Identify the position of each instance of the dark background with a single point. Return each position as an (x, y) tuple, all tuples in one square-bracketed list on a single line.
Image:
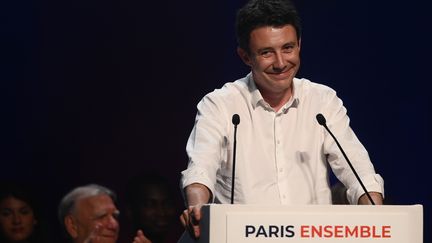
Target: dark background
[(98, 91)]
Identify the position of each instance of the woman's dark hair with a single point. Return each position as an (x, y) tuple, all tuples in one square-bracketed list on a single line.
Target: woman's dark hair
[(24, 193)]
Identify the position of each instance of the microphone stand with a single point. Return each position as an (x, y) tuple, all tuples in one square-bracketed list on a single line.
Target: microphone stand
[(322, 121)]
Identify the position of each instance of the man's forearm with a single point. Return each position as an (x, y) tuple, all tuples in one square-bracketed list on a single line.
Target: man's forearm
[(197, 194), (376, 197)]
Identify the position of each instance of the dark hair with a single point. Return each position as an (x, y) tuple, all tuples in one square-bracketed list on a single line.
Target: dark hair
[(19, 191), (24, 193), (259, 13), (137, 184)]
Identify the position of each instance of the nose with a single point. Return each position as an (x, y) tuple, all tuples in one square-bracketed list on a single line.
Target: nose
[(16, 219), (159, 208), (112, 223), (279, 62)]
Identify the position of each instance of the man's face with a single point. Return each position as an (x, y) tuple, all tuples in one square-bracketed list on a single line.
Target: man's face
[(157, 211), (94, 218), (274, 58), (16, 219)]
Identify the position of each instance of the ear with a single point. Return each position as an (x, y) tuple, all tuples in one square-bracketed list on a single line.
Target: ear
[(71, 226), (299, 44), (244, 56)]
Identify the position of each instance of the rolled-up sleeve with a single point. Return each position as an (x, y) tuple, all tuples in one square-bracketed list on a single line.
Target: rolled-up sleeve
[(204, 145), (338, 123), (373, 183)]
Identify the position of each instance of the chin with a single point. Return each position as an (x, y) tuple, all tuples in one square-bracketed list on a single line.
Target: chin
[(109, 240), (19, 237)]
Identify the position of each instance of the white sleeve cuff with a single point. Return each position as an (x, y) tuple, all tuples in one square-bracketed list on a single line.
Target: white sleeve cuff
[(373, 183)]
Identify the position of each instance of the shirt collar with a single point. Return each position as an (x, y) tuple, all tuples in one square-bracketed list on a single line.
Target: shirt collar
[(257, 99)]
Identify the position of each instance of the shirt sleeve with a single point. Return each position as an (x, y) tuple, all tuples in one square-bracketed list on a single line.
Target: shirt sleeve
[(204, 144), (338, 123)]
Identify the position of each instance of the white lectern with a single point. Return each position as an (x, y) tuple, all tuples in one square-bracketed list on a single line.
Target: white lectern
[(225, 223)]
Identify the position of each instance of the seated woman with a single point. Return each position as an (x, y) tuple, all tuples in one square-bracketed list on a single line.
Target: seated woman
[(18, 215)]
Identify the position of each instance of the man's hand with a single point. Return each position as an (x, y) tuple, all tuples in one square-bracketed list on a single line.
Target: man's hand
[(196, 195), (190, 219), (140, 238)]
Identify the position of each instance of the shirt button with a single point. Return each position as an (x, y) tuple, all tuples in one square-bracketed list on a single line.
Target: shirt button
[(283, 196), (278, 142), (281, 170)]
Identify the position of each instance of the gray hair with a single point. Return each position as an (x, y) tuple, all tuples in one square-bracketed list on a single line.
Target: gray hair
[(67, 204)]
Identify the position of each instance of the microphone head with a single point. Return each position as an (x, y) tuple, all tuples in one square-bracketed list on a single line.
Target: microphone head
[(321, 119), (236, 119)]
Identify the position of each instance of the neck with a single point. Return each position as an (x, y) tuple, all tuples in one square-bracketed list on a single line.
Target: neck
[(277, 100)]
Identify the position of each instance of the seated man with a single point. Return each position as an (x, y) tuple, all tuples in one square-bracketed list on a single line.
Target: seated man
[(89, 215), (151, 207)]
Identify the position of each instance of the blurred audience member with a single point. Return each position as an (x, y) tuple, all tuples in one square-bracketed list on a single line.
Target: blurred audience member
[(89, 215), (151, 207), (19, 215)]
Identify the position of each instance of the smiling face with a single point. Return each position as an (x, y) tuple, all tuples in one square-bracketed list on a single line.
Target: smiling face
[(94, 217), (274, 58), (16, 219)]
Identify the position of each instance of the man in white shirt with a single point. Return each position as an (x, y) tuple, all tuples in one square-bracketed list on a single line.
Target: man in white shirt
[(283, 154)]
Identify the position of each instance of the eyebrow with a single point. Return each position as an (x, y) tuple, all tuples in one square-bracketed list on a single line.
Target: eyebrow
[(291, 43), (265, 49), (295, 43), (104, 213)]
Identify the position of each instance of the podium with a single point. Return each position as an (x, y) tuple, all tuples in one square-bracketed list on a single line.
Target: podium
[(226, 223)]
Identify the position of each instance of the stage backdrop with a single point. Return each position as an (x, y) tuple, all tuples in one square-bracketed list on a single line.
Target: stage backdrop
[(95, 91)]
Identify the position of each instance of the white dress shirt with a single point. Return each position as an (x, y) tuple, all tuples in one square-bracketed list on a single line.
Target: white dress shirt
[(282, 157)]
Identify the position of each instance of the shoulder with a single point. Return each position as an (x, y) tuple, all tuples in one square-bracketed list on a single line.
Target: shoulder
[(228, 92), (307, 85), (231, 88), (307, 89)]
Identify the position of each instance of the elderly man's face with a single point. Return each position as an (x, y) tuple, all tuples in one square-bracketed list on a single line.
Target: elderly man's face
[(94, 218)]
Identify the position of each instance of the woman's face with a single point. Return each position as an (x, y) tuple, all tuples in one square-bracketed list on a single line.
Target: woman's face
[(16, 219)]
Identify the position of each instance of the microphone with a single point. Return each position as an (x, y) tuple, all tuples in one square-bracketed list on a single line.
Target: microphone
[(235, 121), (322, 121)]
